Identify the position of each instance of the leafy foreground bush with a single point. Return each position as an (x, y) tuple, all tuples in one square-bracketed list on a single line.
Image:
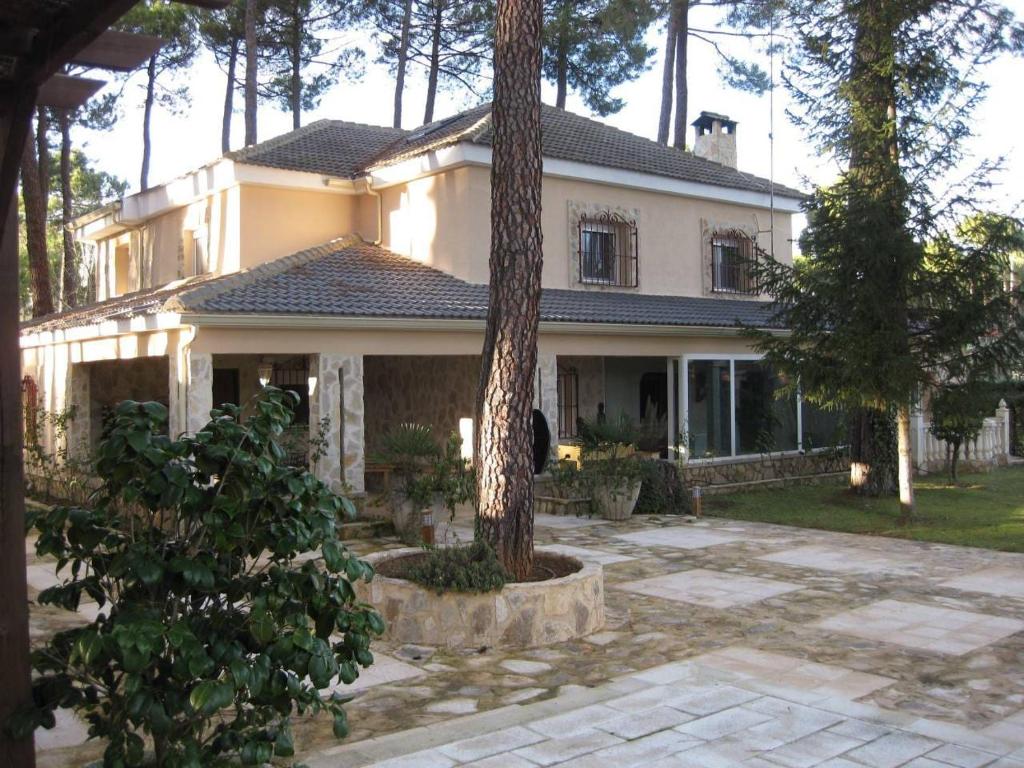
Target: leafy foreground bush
[(474, 568), (210, 633)]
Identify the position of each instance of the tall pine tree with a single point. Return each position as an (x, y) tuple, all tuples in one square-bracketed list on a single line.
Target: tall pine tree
[(888, 302)]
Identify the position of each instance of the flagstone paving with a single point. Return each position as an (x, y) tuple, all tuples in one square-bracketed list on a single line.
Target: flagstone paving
[(758, 645)]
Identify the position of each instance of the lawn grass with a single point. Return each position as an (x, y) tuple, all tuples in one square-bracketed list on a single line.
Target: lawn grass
[(985, 510)]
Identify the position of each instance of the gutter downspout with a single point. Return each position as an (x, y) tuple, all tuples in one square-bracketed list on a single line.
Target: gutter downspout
[(368, 181)]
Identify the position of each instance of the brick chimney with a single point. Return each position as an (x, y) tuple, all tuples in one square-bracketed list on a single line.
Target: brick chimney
[(715, 138)]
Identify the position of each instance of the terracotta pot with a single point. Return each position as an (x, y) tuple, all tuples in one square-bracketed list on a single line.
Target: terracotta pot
[(616, 502)]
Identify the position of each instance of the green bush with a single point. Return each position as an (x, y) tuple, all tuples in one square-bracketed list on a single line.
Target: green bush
[(210, 633), (662, 491), (474, 568)]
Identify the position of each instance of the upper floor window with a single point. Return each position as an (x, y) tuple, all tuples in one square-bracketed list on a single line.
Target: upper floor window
[(608, 250), (732, 255), (200, 251)]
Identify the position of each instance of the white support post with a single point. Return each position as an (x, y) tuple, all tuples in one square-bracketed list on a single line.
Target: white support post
[(545, 394), (199, 390), (672, 433), (1003, 417)]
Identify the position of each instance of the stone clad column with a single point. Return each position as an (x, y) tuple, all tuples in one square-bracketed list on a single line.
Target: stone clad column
[(353, 438), (545, 394), (79, 435), (199, 390), (325, 402)]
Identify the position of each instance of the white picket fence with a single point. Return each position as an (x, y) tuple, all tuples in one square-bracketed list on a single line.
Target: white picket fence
[(992, 448)]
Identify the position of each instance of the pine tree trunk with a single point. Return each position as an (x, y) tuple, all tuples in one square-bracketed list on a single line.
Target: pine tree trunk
[(43, 154), (954, 459), (35, 230), (250, 71), (403, 63), (295, 54), (147, 115), (229, 98), (504, 455), (435, 63), (562, 63), (906, 463), (682, 91), (667, 76), (872, 453), (69, 266)]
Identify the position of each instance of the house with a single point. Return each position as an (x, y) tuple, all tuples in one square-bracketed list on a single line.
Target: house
[(349, 263)]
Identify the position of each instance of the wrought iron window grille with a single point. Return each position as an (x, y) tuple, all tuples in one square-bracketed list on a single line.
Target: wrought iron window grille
[(608, 250)]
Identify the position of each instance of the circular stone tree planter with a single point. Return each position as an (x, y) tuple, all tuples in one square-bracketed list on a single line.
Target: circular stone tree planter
[(521, 615)]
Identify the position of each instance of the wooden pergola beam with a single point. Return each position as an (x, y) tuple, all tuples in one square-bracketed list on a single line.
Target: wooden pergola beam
[(118, 51)]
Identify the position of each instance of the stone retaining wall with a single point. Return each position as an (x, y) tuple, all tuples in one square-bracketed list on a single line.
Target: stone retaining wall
[(521, 615), (779, 468)]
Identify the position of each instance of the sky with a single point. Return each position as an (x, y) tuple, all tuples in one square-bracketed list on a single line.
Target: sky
[(189, 139)]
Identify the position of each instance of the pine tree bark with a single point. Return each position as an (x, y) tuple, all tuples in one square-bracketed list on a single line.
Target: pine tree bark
[(403, 62), (43, 154), (35, 230), (504, 444), (562, 54), (682, 90), (147, 115), (229, 98), (69, 263), (435, 61), (668, 75), (251, 11)]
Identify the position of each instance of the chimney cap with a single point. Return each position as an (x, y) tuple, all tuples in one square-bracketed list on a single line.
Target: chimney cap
[(707, 119)]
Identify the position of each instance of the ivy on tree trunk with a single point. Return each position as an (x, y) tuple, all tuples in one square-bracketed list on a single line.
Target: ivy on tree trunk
[(504, 451)]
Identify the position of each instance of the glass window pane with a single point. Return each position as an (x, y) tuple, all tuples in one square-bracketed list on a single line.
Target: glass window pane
[(708, 407), (823, 428), (764, 422)]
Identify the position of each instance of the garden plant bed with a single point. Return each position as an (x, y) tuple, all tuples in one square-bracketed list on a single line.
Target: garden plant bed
[(546, 566), (564, 600)]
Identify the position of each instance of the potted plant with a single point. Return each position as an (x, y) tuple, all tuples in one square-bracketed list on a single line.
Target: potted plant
[(610, 461), (430, 479), (410, 449)]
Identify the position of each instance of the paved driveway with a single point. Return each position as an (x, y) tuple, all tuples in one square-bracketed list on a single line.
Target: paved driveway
[(726, 644)]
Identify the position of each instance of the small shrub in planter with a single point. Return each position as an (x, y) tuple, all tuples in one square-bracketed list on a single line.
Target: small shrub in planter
[(571, 490), (210, 634), (472, 568)]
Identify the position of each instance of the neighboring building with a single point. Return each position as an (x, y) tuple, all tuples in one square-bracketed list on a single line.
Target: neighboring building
[(349, 263)]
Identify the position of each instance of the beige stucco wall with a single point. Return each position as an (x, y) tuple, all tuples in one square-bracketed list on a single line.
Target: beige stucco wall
[(444, 221), (276, 222)]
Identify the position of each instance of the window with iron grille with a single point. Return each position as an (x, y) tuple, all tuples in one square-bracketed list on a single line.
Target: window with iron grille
[(732, 254), (293, 375), (568, 402), (608, 250)]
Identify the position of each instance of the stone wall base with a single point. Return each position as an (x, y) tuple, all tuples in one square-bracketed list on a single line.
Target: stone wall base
[(521, 615), (774, 469)]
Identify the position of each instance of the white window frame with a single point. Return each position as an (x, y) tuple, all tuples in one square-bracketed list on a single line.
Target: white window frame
[(684, 400), (201, 235)]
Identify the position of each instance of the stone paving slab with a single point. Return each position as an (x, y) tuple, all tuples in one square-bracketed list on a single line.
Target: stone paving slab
[(924, 627), (714, 589), (590, 555), (844, 560), (1001, 581), (753, 730), (679, 537)]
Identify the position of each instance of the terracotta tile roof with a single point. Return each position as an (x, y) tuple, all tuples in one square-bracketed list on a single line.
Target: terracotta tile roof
[(568, 136), (124, 307), (351, 278), (338, 148), (329, 147)]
